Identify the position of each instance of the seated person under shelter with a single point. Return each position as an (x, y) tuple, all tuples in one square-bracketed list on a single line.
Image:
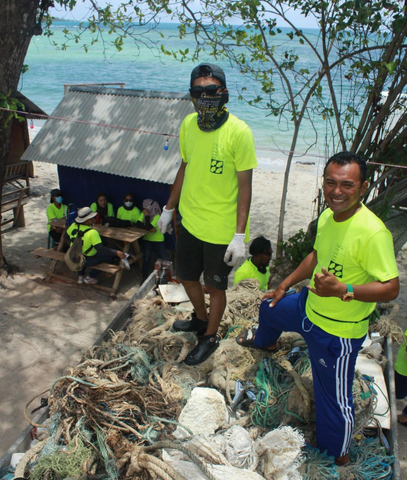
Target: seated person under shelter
[(92, 247), (257, 266), (102, 207), (128, 211), (153, 241), (56, 210)]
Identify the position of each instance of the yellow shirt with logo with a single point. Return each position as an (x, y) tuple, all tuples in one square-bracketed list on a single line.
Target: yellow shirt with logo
[(54, 212), (249, 270), (132, 215), (89, 239), (208, 202), (357, 251)]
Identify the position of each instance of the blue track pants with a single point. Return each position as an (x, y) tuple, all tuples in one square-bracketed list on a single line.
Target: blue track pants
[(333, 366)]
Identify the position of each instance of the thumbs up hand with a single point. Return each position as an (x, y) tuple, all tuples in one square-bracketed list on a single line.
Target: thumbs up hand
[(327, 285)]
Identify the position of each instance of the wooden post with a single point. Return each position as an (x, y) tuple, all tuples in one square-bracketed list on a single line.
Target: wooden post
[(19, 219)]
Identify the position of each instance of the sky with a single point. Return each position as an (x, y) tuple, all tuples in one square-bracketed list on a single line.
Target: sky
[(81, 12)]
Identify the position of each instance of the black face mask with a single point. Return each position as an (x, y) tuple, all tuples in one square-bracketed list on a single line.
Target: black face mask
[(211, 111)]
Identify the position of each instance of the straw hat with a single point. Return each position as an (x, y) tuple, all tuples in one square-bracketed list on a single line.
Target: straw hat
[(84, 214)]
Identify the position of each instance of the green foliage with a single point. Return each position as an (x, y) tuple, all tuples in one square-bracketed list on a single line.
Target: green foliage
[(357, 54), (109, 25), (359, 51), (10, 103), (297, 247)]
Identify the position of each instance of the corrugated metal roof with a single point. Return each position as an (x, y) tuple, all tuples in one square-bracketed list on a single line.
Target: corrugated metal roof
[(118, 131)]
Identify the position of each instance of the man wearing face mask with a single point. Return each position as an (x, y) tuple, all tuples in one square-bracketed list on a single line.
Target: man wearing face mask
[(213, 188), (128, 211)]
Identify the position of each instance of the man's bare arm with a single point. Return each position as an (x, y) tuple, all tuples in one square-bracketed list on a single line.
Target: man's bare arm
[(377, 291), (176, 189), (244, 197), (327, 285)]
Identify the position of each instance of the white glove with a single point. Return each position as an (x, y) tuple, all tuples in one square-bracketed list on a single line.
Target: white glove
[(165, 219), (235, 252)]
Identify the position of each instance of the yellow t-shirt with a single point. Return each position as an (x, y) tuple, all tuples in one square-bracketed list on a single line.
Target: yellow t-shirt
[(249, 270), (208, 202), (153, 236), (401, 361), (54, 212), (110, 209), (357, 251), (89, 239), (132, 215)]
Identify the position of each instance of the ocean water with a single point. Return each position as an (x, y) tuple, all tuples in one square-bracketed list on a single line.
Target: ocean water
[(143, 66)]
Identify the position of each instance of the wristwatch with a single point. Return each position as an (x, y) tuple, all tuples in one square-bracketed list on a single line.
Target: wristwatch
[(349, 295)]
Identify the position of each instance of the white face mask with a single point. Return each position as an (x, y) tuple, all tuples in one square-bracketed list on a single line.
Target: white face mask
[(128, 204)]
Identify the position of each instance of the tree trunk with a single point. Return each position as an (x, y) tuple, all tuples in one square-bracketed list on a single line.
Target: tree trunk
[(280, 234), (17, 26)]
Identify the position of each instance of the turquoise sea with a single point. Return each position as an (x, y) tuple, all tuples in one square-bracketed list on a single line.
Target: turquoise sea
[(143, 66)]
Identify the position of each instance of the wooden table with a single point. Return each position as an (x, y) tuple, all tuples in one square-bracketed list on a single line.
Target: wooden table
[(123, 238)]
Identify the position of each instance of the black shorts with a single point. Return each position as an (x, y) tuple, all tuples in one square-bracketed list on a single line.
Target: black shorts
[(195, 256)]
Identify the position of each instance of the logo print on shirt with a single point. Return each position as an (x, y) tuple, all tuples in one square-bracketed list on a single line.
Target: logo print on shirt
[(336, 269), (216, 167)]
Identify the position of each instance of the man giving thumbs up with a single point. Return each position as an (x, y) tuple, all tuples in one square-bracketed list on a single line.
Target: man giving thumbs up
[(351, 268)]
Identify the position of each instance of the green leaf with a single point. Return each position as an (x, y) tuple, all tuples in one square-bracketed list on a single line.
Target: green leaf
[(391, 67)]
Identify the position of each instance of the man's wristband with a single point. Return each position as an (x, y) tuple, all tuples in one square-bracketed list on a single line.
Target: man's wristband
[(349, 295)]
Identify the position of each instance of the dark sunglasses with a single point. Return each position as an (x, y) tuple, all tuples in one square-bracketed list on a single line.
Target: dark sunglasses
[(128, 199), (210, 90)]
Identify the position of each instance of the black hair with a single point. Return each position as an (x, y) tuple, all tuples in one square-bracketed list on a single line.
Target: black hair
[(260, 245), (345, 158), (128, 194)]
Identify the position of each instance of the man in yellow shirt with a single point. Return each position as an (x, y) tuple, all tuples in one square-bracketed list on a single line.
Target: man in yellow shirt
[(213, 187), (257, 266), (351, 268)]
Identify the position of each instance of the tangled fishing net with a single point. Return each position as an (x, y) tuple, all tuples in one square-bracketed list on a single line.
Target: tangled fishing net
[(385, 323), (116, 413)]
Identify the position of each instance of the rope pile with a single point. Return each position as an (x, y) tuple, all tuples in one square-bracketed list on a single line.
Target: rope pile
[(112, 413), (386, 325), (368, 462)]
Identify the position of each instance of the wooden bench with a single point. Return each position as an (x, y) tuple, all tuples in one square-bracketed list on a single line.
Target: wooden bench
[(16, 205), (59, 256), (18, 171)]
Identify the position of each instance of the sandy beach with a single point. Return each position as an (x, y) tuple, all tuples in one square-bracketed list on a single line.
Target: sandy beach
[(45, 326)]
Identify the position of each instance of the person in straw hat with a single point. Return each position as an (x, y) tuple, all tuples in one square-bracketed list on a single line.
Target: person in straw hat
[(92, 247)]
